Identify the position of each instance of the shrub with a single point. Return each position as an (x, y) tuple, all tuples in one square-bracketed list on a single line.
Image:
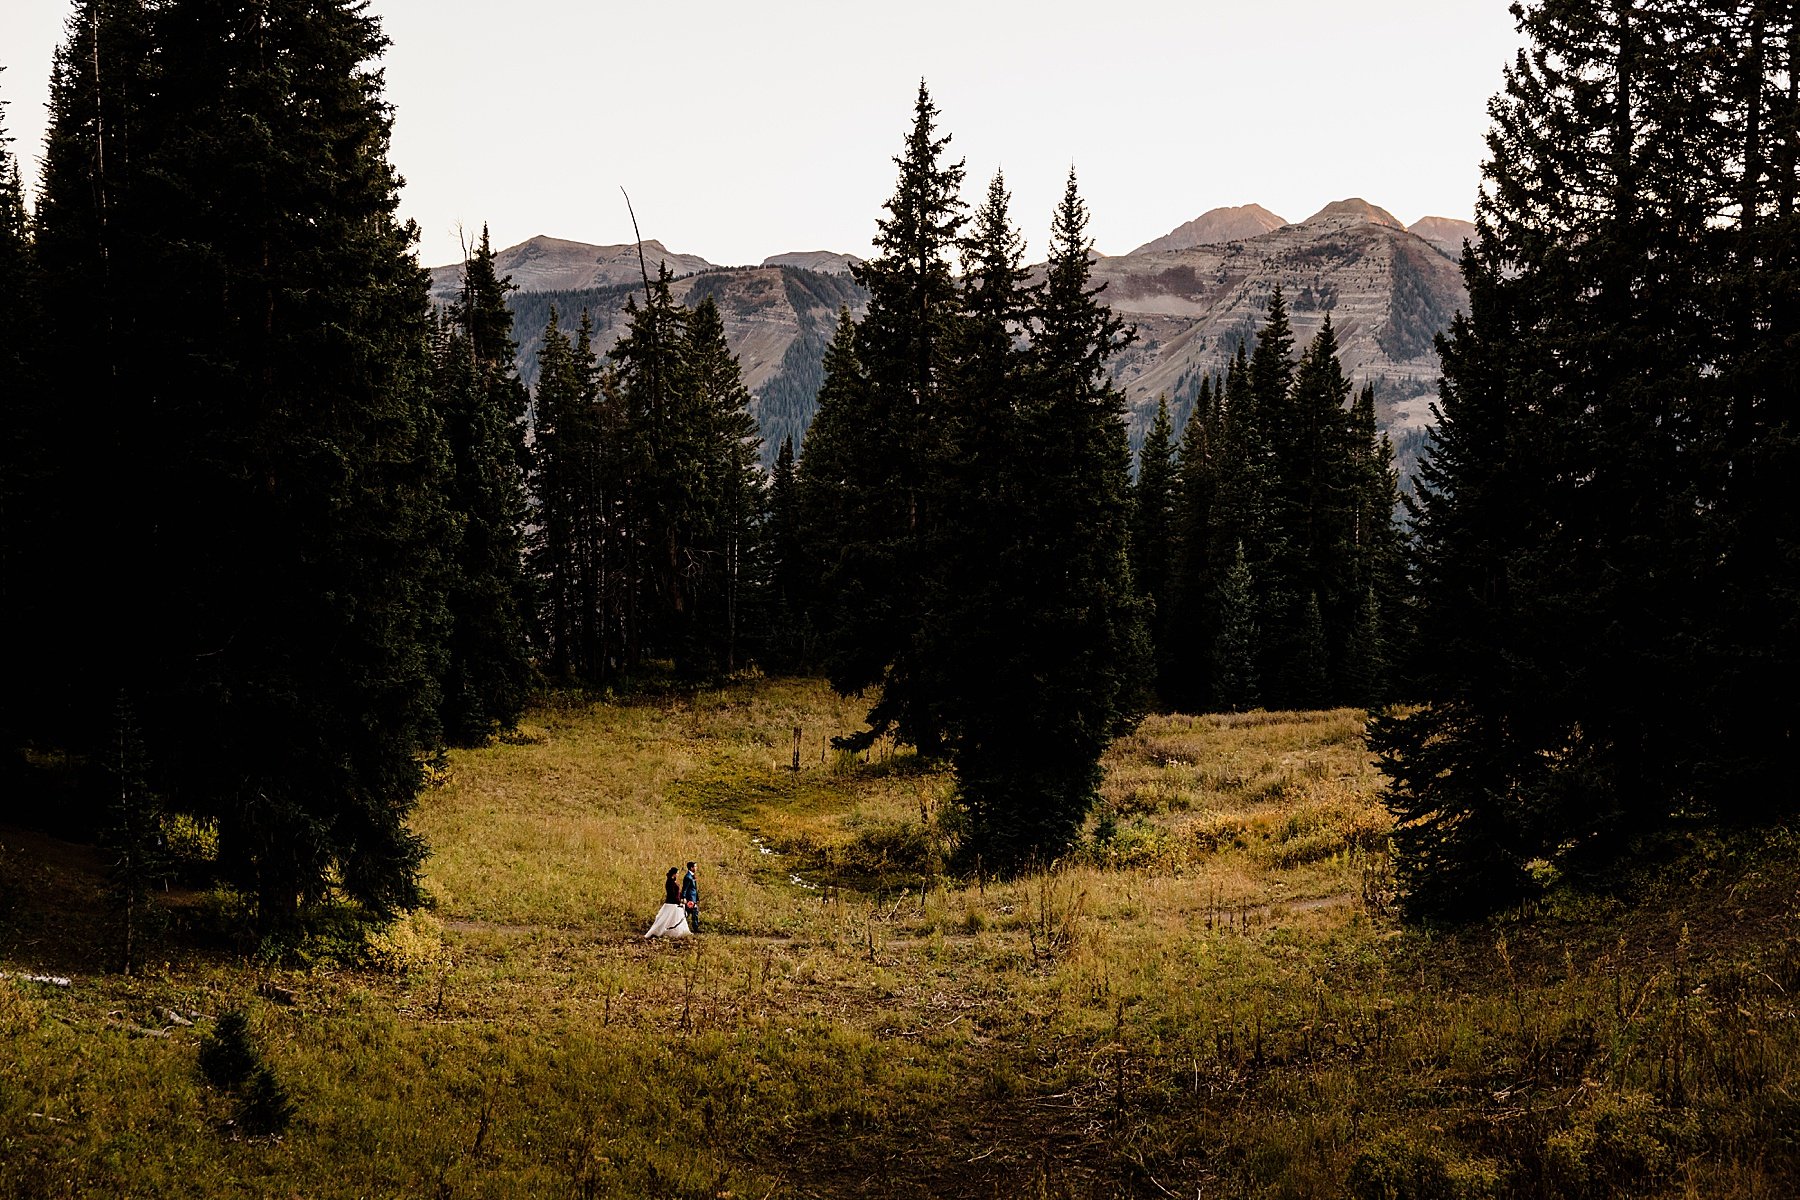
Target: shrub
[(414, 942), (1398, 1168), (230, 1062)]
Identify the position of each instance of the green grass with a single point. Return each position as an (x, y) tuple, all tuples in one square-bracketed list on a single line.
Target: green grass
[(1210, 996)]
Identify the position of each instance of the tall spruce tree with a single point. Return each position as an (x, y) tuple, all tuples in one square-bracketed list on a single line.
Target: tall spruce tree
[(1594, 423), (23, 461), (1154, 504), (482, 405), (219, 210), (729, 527), (788, 640), (888, 453), (1185, 656), (1075, 656)]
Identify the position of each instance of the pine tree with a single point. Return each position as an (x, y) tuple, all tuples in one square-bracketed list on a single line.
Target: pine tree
[(25, 455), (788, 644), (255, 332), (1154, 506), (1577, 492), (1184, 639), (661, 462), (1076, 658), (729, 525), (94, 272), (482, 405), (1241, 525), (825, 484), (889, 449), (557, 476), (1236, 645)]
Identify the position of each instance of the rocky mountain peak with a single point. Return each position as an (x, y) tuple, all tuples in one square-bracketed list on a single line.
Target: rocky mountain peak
[(827, 262), (1354, 211), (1446, 233), (1215, 227)]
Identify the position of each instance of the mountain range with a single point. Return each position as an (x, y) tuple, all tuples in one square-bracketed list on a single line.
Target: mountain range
[(1193, 295)]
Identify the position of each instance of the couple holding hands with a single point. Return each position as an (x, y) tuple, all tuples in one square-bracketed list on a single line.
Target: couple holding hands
[(680, 914)]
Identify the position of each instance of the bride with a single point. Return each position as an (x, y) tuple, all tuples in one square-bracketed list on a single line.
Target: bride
[(671, 918)]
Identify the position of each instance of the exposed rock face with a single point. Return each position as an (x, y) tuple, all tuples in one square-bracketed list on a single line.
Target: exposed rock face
[(1387, 291), (778, 321), (1219, 225), (826, 262), (1446, 233), (547, 264)]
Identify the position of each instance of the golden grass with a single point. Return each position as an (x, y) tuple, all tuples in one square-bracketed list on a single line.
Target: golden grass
[(1208, 996)]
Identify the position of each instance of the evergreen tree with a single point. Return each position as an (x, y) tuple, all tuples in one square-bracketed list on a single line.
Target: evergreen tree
[(482, 406), (1028, 770), (1236, 644), (788, 644), (1597, 416), (94, 264), (1241, 526), (23, 462), (825, 484), (875, 546), (729, 526), (218, 212), (661, 462), (556, 478), (1184, 637), (1154, 506)]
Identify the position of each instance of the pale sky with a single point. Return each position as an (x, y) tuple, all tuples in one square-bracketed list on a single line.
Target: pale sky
[(745, 129)]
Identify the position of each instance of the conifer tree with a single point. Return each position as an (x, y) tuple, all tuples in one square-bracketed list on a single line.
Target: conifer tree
[(482, 406), (875, 550), (24, 465), (1235, 648), (556, 479), (661, 461), (1078, 655), (1593, 429), (1241, 526), (729, 525), (259, 359), (1154, 506), (1184, 638), (94, 266), (788, 644)]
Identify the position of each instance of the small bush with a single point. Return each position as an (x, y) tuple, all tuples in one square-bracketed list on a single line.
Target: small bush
[(411, 943), (1397, 1168), (230, 1062), (1618, 1148)]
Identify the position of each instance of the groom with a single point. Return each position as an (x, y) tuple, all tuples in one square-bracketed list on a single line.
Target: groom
[(690, 899)]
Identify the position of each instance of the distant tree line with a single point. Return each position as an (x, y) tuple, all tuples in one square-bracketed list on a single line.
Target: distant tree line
[(1265, 543)]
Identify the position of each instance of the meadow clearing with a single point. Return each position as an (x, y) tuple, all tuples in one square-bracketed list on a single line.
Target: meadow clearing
[(1212, 997)]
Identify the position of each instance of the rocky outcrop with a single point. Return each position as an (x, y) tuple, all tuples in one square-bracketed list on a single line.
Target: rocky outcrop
[(826, 262), (547, 264), (1446, 233), (1219, 225), (1387, 291)]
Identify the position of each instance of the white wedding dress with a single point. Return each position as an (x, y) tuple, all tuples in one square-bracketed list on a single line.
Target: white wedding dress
[(671, 921)]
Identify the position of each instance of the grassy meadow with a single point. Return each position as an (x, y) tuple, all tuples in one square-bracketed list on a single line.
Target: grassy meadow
[(1210, 998)]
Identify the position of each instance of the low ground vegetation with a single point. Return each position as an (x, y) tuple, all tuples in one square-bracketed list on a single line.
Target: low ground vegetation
[(1210, 996)]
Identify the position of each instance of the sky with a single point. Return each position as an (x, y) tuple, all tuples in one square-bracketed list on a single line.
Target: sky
[(743, 130)]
